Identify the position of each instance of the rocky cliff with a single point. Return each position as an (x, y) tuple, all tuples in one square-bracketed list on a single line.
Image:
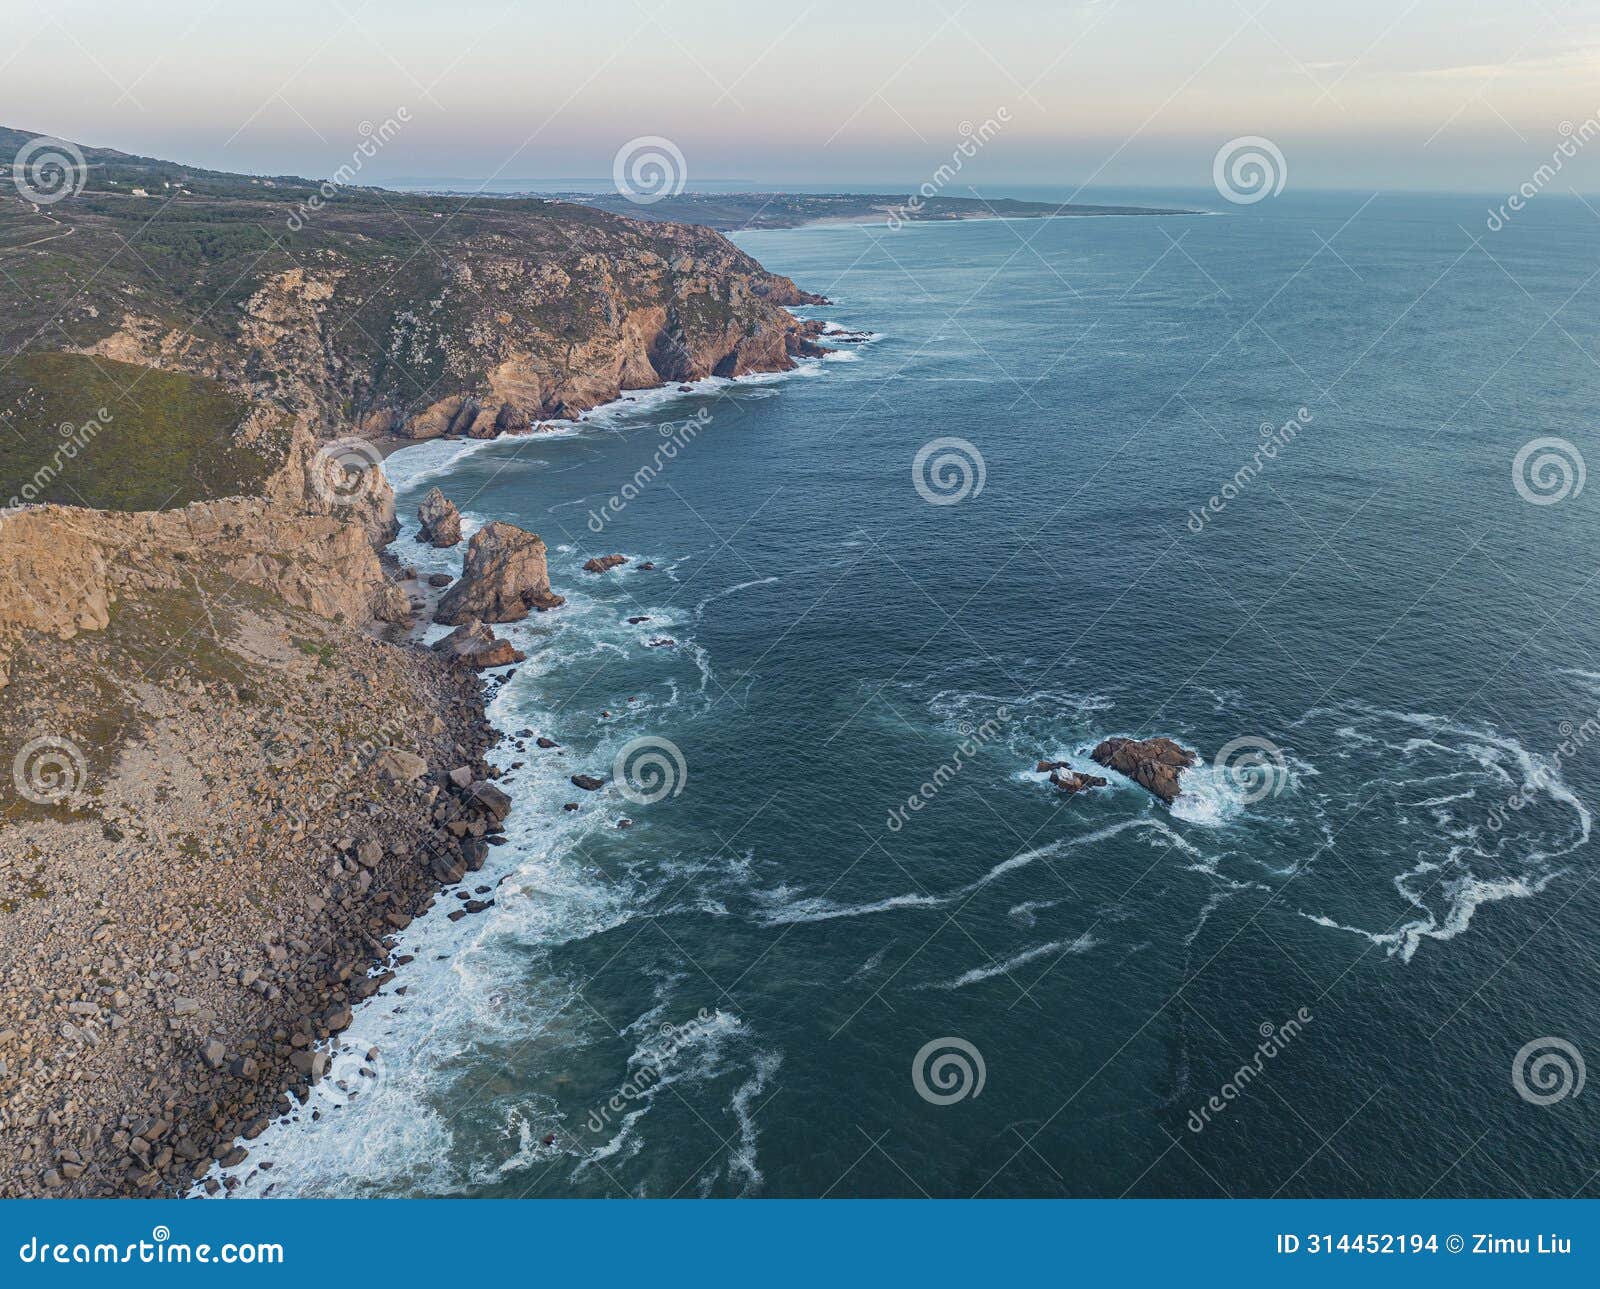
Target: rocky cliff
[(64, 567), (227, 792), (378, 312)]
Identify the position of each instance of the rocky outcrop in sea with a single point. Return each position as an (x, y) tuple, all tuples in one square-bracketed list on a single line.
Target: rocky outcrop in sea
[(506, 576), (1154, 763)]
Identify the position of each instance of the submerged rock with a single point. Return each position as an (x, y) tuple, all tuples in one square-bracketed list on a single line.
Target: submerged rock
[(1153, 763), (441, 521), (506, 575), (1067, 779)]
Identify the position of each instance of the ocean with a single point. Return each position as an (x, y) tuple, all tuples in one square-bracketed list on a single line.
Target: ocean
[(1257, 480)]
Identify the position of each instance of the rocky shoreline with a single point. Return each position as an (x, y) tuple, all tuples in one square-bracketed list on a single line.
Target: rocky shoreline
[(237, 772), (206, 908), (199, 929)]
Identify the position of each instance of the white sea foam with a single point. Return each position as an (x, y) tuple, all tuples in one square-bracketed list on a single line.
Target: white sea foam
[(1437, 765), (486, 983), (786, 905), (1053, 948)]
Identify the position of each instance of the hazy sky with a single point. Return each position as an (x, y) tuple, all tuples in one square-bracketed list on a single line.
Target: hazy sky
[(1355, 93)]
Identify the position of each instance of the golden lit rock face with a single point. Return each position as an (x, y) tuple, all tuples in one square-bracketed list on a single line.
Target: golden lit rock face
[(504, 579), (537, 315)]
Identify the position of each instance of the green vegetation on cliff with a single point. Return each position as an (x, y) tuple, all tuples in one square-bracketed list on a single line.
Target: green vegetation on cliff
[(372, 310), (87, 431)]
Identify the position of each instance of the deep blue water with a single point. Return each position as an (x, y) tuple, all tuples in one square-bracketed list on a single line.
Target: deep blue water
[(1377, 602)]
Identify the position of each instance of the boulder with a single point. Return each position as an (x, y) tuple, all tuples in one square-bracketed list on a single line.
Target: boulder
[(474, 644), (441, 521), (506, 575), (491, 799), (511, 420), (604, 563), (439, 579), (401, 766), (1070, 781), (1153, 763), (587, 782)]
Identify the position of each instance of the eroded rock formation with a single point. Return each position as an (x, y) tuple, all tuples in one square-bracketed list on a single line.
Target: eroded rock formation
[(1153, 763), (440, 520), (474, 644), (506, 576)]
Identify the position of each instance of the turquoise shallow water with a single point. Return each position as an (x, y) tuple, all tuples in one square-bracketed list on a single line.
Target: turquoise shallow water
[(729, 996)]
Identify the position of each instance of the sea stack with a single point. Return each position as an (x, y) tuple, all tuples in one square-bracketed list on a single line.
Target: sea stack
[(474, 644), (441, 521), (506, 576)]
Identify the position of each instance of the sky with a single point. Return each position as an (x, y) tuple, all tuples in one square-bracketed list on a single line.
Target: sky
[(1468, 96)]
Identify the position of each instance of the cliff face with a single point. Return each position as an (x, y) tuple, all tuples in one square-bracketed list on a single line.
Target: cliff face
[(500, 340), (363, 314), (381, 311), (64, 567), (201, 683)]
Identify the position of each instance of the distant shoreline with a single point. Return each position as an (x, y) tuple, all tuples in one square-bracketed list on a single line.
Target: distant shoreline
[(745, 212)]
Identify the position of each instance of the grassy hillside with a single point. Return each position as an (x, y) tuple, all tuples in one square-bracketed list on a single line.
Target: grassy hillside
[(86, 431)]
